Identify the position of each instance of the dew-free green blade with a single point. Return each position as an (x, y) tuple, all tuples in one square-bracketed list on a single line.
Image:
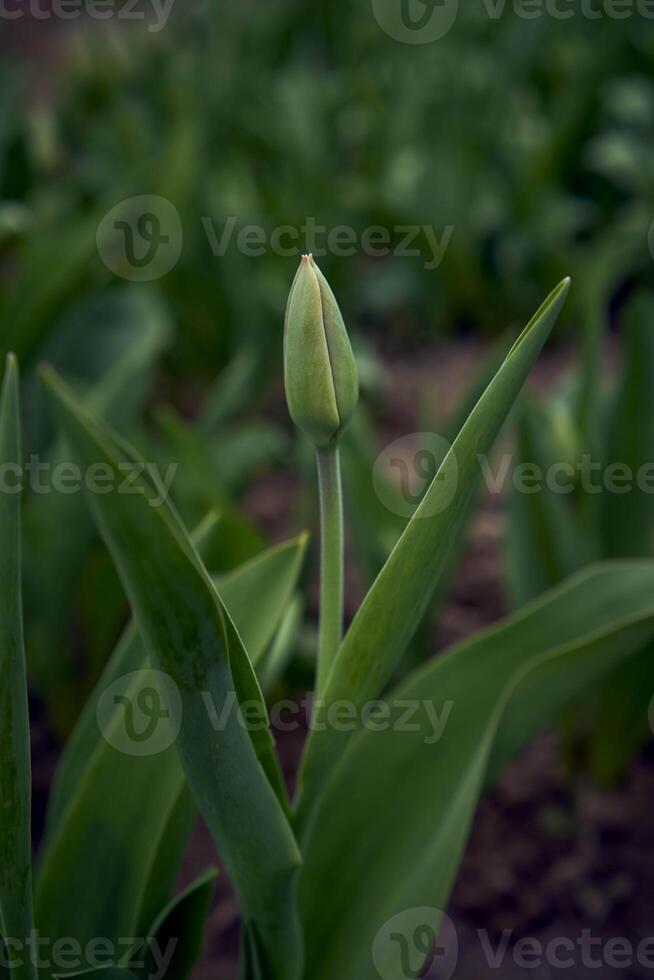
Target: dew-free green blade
[(190, 637), (143, 844), (397, 600), (16, 918), (174, 940), (269, 579), (406, 793)]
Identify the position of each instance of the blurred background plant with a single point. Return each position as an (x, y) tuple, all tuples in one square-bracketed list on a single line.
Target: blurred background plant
[(524, 146), (529, 138)]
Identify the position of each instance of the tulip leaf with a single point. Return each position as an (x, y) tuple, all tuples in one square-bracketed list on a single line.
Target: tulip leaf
[(395, 604), (16, 917), (407, 794), (174, 941), (80, 789), (190, 637), (271, 577)]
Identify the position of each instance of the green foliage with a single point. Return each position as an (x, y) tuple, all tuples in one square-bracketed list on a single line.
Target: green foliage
[(552, 534), (408, 801), (397, 600), (16, 917), (543, 123), (119, 821)]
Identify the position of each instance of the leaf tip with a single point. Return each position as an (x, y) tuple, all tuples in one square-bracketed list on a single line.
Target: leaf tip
[(11, 367), (303, 539)]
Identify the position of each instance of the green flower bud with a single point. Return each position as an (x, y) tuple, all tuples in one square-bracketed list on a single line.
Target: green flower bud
[(320, 373)]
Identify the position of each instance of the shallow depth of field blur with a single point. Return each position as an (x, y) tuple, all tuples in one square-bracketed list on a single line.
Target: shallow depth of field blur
[(444, 188)]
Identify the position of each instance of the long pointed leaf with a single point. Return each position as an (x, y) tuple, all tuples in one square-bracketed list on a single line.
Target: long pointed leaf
[(396, 602), (271, 577), (16, 916), (190, 637), (407, 794), (177, 934)]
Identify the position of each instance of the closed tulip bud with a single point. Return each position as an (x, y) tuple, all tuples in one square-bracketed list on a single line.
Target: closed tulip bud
[(320, 373)]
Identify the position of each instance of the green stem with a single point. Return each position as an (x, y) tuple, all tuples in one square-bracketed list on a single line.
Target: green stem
[(331, 562)]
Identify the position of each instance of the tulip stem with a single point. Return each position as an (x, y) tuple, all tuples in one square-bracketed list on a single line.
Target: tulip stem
[(331, 562)]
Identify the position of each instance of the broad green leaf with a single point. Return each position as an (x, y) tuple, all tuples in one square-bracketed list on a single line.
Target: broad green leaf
[(177, 934), (271, 577), (96, 875), (72, 861), (406, 793), (16, 918), (190, 637), (396, 602)]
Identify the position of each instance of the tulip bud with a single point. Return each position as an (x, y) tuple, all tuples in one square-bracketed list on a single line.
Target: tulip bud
[(320, 373)]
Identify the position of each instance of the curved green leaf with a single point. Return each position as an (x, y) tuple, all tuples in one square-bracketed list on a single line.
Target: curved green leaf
[(177, 934), (396, 602), (16, 918), (271, 577), (87, 795), (407, 797), (190, 636)]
